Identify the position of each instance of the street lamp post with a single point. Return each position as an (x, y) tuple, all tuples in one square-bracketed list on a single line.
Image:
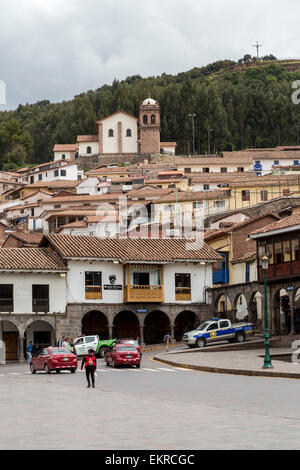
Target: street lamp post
[(193, 115), (267, 360)]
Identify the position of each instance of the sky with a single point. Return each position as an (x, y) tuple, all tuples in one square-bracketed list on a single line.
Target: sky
[(56, 49)]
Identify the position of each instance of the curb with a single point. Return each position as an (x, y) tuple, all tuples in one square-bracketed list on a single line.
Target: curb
[(221, 370), (160, 347)]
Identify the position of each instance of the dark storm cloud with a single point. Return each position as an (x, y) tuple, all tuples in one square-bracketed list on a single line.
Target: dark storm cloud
[(54, 49)]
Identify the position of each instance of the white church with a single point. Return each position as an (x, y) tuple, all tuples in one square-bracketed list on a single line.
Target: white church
[(119, 135)]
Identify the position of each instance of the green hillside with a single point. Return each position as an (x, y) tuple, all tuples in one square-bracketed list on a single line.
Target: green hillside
[(245, 103)]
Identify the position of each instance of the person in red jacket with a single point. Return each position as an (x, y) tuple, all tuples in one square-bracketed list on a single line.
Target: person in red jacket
[(90, 364)]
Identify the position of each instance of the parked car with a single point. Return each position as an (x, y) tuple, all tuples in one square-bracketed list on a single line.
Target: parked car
[(134, 342), (57, 359), (123, 354), (84, 343), (217, 329)]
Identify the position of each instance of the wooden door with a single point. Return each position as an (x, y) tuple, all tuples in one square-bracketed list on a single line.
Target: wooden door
[(10, 339)]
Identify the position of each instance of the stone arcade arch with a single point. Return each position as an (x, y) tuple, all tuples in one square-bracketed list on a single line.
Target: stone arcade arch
[(95, 322), (11, 339), (240, 306), (41, 333), (126, 325), (255, 309), (222, 305), (156, 325), (184, 321), (282, 312)]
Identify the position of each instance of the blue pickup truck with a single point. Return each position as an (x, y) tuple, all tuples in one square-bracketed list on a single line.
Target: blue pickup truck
[(217, 329)]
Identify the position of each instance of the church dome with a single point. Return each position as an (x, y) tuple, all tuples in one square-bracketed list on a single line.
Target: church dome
[(149, 101)]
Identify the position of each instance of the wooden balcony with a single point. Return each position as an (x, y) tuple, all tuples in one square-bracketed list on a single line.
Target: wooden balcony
[(183, 294), (93, 292), (134, 293), (281, 270), (6, 305), (40, 305)]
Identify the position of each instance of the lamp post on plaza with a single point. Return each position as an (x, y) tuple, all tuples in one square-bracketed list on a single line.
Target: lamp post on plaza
[(267, 360)]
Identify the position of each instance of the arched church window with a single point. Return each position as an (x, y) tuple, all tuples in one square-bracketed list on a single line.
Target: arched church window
[(89, 150), (153, 119), (128, 133), (110, 133), (145, 119)]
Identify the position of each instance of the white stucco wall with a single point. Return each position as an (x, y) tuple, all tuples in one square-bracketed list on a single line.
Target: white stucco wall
[(82, 151), (201, 276), (76, 281), (129, 144), (88, 186), (58, 155), (22, 290)]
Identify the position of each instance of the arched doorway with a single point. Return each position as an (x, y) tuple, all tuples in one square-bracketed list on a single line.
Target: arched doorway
[(95, 323), (297, 311), (41, 333), (185, 321), (126, 325), (222, 306), (11, 338), (156, 325), (241, 308), (282, 312), (255, 309)]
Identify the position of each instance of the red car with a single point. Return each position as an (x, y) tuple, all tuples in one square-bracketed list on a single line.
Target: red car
[(57, 359), (123, 354), (133, 342)]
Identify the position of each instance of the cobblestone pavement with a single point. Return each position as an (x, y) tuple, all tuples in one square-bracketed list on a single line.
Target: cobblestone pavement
[(155, 407)]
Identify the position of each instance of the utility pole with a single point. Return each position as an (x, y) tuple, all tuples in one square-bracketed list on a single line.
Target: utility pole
[(193, 115), (257, 46), (208, 134)]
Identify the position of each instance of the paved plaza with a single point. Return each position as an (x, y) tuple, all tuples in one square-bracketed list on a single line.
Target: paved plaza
[(156, 407)]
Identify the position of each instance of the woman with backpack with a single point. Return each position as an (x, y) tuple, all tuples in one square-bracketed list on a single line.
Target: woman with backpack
[(90, 363)]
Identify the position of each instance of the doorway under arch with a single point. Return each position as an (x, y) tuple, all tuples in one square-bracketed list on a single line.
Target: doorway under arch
[(126, 325), (11, 339), (185, 321), (41, 333), (95, 323), (282, 312), (156, 325)]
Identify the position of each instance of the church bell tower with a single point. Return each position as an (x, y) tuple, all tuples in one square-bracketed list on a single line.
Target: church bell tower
[(149, 127)]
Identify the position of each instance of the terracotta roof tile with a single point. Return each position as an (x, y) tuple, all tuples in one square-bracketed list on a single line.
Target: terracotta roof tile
[(126, 250), (29, 259), (286, 222)]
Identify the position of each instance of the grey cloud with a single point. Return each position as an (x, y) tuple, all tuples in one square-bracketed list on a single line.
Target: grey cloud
[(54, 49)]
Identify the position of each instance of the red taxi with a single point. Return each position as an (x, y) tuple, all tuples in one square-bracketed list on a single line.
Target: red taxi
[(123, 354), (57, 359), (133, 342)]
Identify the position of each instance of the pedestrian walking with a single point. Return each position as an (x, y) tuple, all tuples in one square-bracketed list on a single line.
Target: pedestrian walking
[(29, 350), (71, 346), (61, 341), (66, 343), (90, 363), (167, 340)]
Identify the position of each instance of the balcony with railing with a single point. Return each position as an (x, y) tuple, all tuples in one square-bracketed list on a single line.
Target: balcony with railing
[(257, 167), (135, 293), (221, 276), (183, 294), (40, 305), (93, 292), (6, 305)]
